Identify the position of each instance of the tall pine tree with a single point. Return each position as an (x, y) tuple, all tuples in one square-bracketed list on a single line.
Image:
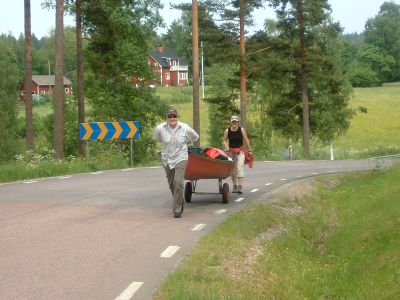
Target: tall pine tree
[(305, 89)]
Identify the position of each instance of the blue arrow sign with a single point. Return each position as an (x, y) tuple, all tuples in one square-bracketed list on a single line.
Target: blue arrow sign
[(109, 130)]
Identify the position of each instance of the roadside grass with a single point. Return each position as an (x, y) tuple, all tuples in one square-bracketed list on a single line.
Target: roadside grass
[(340, 241), (15, 171)]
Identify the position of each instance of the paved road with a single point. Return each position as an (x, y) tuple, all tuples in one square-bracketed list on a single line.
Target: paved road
[(111, 235)]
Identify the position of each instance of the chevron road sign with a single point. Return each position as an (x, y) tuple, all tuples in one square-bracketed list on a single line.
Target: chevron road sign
[(109, 130)]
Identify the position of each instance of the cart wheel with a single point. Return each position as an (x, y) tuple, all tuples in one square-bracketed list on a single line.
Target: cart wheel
[(188, 192), (225, 193)]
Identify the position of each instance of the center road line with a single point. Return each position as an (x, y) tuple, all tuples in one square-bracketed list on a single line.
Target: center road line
[(239, 199), (220, 211), (283, 179), (253, 191), (129, 291), (269, 183), (170, 251), (198, 227)]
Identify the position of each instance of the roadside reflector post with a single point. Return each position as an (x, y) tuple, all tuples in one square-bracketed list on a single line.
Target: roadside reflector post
[(131, 153)]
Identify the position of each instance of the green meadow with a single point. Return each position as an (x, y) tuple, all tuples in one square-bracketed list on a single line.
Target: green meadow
[(376, 132)]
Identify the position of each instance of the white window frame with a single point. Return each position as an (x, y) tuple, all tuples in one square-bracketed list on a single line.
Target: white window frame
[(183, 76)]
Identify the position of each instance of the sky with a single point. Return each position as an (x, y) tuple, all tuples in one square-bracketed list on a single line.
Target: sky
[(352, 15)]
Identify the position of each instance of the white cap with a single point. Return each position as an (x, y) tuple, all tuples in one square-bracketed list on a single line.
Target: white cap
[(234, 118)]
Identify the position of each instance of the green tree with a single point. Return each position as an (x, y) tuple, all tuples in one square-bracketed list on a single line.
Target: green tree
[(9, 95), (372, 67), (383, 31), (117, 51), (236, 14), (221, 104), (303, 70)]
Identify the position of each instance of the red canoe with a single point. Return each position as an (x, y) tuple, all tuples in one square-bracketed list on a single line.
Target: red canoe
[(203, 167)]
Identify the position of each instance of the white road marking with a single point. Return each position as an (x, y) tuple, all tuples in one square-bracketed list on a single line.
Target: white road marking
[(269, 183), (96, 173), (283, 179), (220, 211), (315, 173), (129, 291), (170, 251), (253, 191), (198, 227), (239, 199), (31, 181), (298, 176), (64, 177)]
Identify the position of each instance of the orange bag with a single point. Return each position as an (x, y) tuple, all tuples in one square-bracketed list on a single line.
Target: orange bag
[(215, 153)]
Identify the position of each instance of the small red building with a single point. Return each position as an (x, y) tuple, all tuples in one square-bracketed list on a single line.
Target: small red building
[(44, 85), (168, 67)]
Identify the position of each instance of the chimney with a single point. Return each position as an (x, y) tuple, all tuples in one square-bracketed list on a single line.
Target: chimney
[(159, 48)]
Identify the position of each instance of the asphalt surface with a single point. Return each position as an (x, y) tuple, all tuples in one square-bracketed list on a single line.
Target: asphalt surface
[(111, 235)]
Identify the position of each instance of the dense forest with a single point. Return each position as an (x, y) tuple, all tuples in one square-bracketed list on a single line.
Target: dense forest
[(295, 76)]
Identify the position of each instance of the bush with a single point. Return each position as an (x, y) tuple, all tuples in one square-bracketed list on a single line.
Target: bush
[(363, 76)]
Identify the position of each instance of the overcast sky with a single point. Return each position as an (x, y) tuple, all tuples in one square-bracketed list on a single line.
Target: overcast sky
[(352, 15)]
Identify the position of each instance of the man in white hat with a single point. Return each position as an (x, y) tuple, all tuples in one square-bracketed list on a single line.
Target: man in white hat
[(174, 137)]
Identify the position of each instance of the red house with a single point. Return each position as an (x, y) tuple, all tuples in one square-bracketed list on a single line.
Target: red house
[(168, 67), (44, 84)]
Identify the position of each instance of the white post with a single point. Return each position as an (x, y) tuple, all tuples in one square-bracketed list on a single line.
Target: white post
[(161, 75), (202, 68), (131, 152), (178, 72), (331, 150)]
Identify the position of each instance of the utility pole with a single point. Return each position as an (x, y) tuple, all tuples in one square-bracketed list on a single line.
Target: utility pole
[(202, 68), (195, 47)]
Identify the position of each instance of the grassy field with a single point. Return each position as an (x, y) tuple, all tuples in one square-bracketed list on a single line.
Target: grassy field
[(378, 131), (340, 240)]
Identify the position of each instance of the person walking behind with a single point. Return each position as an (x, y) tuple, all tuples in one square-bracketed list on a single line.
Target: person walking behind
[(237, 142), (174, 137)]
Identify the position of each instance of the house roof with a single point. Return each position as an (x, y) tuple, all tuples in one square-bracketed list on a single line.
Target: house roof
[(48, 80), (162, 58)]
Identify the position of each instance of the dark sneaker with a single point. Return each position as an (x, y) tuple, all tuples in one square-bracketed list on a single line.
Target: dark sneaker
[(239, 189), (177, 214), (235, 188)]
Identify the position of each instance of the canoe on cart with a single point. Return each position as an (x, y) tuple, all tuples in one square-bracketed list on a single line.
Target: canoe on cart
[(201, 166)]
